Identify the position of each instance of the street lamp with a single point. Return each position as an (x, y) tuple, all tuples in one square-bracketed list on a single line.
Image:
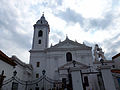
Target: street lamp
[(74, 62), (43, 72)]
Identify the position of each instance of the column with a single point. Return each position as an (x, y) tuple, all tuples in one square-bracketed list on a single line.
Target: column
[(76, 79), (107, 78)]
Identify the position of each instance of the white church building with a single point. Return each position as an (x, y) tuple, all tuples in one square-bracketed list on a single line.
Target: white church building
[(67, 61), (55, 57), (67, 65)]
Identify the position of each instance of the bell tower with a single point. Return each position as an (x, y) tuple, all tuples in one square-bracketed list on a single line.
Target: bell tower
[(39, 45), (41, 34)]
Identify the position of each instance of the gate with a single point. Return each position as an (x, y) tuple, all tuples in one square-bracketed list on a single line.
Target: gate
[(99, 77)]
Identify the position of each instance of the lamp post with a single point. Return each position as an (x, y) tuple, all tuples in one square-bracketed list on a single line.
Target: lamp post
[(14, 85), (43, 72), (69, 85)]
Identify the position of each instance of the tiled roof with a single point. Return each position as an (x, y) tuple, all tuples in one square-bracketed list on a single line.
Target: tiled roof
[(6, 59), (115, 71), (117, 55)]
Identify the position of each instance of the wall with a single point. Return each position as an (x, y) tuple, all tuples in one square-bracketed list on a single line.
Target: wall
[(117, 62), (51, 60), (8, 72)]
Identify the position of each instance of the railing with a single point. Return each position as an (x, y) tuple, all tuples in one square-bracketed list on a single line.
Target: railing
[(44, 82)]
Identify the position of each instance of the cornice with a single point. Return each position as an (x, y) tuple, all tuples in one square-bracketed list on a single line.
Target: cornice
[(32, 50), (66, 49)]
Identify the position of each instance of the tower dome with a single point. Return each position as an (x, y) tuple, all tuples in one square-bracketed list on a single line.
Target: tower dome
[(42, 20)]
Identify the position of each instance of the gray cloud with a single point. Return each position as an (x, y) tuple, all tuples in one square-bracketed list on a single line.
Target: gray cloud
[(59, 2), (56, 36), (70, 16), (101, 23), (88, 24), (111, 47), (9, 24), (48, 4)]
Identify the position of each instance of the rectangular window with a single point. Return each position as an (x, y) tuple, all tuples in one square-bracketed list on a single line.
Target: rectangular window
[(38, 64), (64, 82), (39, 41), (86, 81), (14, 86), (37, 88), (37, 75)]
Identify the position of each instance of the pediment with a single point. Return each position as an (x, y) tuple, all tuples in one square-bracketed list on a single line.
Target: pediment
[(70, 65), (67, 43)]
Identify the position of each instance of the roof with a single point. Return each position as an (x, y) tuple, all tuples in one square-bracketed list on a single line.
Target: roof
[(69, 44), (6, 59), (105, 61), (115, 71), (18, 61), (70, 64), (117, 55), (42, 22)]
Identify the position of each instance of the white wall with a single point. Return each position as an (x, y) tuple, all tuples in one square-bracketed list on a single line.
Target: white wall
[(8, 72), (117, 62), (23, 73), (51, 60)]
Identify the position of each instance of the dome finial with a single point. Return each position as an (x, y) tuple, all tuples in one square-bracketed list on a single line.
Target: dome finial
[(59, 40), (43, 14), (66, 36)]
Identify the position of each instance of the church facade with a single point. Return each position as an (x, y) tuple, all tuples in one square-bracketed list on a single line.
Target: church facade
[(52, 58)]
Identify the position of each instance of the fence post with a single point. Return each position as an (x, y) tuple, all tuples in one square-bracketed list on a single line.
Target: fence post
[(26, 86)]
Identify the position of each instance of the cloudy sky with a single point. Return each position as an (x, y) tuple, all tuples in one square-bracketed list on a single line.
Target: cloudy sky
[(88, 21)]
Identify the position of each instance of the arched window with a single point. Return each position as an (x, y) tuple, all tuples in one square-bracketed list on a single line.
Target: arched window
[(69, 57), (40, 33)]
